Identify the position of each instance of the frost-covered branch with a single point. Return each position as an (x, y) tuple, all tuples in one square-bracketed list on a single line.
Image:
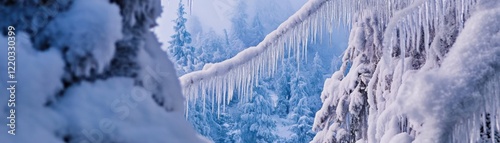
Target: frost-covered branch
[(241, 72)]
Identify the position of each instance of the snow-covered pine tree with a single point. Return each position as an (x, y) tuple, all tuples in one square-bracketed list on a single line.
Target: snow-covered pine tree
[(376, 96), (240, 24), (304, 92), (303, 118), (255, 122), (256, 31), (180, 49), (347, 117), (299, 87), (316, 76), (283, 89), (212, 47)]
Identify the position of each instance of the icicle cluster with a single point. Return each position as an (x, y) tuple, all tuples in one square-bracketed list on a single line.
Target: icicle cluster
[(237, 75), (422, 17)]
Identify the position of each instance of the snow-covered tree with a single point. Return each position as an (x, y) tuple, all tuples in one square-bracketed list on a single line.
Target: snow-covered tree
[(213, 48), (317, 70), (375, 94), (91, 71), (256, 32), (303, 118), (255, 122), (240, 24), (283, 90), (180, 49), (299, 88)]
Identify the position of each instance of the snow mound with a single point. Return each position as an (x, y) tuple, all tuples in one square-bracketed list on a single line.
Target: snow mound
[(86, 34), (121, 112), (38, 76)]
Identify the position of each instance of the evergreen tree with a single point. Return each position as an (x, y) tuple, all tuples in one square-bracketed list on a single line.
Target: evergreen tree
[(213, 48), (283, 89), (316, 81), (317, 71), (240, 24), (255, 123), (299, 87), (180, 50), (303, 117), (256, 32)]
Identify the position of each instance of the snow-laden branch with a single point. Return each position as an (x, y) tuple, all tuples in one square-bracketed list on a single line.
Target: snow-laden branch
[(241, 71)]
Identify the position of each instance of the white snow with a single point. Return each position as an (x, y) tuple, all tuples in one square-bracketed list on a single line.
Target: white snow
[(401, 138), (451, 100), (121, 112), (89, 30), (158, 77), (282, 129), (38, 76)]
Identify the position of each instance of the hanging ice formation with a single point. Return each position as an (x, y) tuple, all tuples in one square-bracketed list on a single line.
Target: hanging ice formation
[(237, 75)]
